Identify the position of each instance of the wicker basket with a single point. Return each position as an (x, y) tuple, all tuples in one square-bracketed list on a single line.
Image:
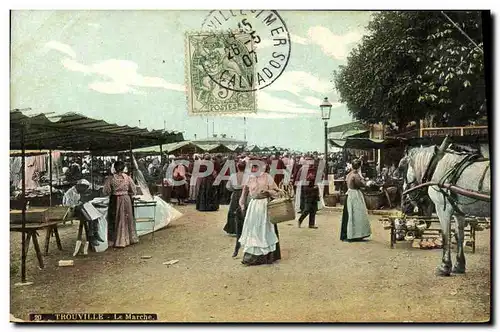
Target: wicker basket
[(281, 209), (374, 200)]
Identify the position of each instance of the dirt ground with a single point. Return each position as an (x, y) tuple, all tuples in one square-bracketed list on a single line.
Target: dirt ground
[(319, 279)]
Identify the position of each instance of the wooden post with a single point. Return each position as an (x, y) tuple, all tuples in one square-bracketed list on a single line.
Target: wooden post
[(161, 173), (131, 162), (473, 237), (393, 233), (50, 178), (23, 212), (161, 154), (91, 172)]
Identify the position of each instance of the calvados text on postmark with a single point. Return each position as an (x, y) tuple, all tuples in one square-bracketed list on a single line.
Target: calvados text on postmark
[(216, 64), (268, 46)]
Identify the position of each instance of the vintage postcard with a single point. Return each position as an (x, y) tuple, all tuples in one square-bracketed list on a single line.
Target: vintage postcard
[(250, 165)]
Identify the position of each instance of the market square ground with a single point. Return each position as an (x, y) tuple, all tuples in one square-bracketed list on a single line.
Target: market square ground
[(319, 279)]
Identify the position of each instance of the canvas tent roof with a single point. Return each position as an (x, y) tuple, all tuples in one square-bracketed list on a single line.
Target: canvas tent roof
[(253, 148), (233, 147), (169, 148), (191, 146), (214, 148), (347, 133), (75, 132), (15, 153), (356, 125), (366, 143)]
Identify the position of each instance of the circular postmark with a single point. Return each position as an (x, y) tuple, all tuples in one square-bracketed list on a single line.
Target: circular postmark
[(257, 48)]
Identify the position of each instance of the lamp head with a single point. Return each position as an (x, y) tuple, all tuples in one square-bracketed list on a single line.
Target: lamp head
[(326, 108)]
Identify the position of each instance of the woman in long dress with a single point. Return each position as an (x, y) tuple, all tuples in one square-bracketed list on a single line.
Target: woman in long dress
[(259, 238), (180, 173), (193, 186), (208, 194), (121, 224), (233, 185), (355, 223), (224, 193), (235, 217)]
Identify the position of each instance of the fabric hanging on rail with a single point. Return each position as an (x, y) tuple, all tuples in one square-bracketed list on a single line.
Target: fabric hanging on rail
[(56, 165), (15, 171)]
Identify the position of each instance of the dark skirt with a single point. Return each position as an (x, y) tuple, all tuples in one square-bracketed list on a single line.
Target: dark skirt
[(345, 220), (181, 192), (208, 195), (224, 193), (235, 218), (249, 259), (343, 228)]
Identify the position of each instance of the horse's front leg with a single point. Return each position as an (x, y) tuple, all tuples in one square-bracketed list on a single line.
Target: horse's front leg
[(445, 220), (459, 266)]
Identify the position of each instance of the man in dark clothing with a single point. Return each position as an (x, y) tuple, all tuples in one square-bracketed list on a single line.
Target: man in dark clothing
[(310, 192)]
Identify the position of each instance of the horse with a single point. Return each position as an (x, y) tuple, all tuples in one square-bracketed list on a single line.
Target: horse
[(473, 176)]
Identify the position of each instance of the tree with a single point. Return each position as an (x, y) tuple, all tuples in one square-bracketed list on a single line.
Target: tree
[(415, 64)]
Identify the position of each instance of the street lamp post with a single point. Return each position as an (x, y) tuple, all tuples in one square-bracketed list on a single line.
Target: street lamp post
[(326, 109)]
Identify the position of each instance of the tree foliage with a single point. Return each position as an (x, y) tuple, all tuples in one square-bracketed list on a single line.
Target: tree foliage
[(416, 64)]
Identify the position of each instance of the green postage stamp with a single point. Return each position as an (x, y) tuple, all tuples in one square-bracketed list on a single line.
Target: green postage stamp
[(220, 71)]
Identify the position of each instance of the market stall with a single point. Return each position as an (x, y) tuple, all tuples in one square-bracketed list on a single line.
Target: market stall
[(384, 190), (71, 132), (160, 213)]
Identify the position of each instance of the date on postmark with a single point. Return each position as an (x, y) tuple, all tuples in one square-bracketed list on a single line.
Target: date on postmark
[(268, 44)]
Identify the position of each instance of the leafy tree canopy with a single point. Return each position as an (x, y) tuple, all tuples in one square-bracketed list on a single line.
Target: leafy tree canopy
[(415, 64)]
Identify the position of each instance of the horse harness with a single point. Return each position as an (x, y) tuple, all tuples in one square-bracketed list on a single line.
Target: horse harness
[(452, 175), (429, 172)]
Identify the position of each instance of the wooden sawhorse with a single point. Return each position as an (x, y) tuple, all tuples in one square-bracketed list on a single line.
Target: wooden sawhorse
[(31, 231)]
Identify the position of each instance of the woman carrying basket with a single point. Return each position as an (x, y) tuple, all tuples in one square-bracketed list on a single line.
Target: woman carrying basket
[(259, 238)]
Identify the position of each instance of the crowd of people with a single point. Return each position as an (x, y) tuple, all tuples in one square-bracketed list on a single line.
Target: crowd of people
[(211, 180)]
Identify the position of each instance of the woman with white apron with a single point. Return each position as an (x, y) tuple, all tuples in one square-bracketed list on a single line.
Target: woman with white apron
[(259, 238)]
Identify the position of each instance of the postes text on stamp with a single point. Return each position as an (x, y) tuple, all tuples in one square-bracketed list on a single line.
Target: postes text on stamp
[(216, 66)]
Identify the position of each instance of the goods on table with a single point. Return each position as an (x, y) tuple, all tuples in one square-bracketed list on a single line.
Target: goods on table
[(418, 230), (435, 243)]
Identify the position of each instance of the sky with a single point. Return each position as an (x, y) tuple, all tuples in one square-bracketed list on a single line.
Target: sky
[(128, 67)]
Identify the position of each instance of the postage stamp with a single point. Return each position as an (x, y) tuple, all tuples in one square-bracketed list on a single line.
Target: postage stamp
[(269, 44), (220, 73)]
